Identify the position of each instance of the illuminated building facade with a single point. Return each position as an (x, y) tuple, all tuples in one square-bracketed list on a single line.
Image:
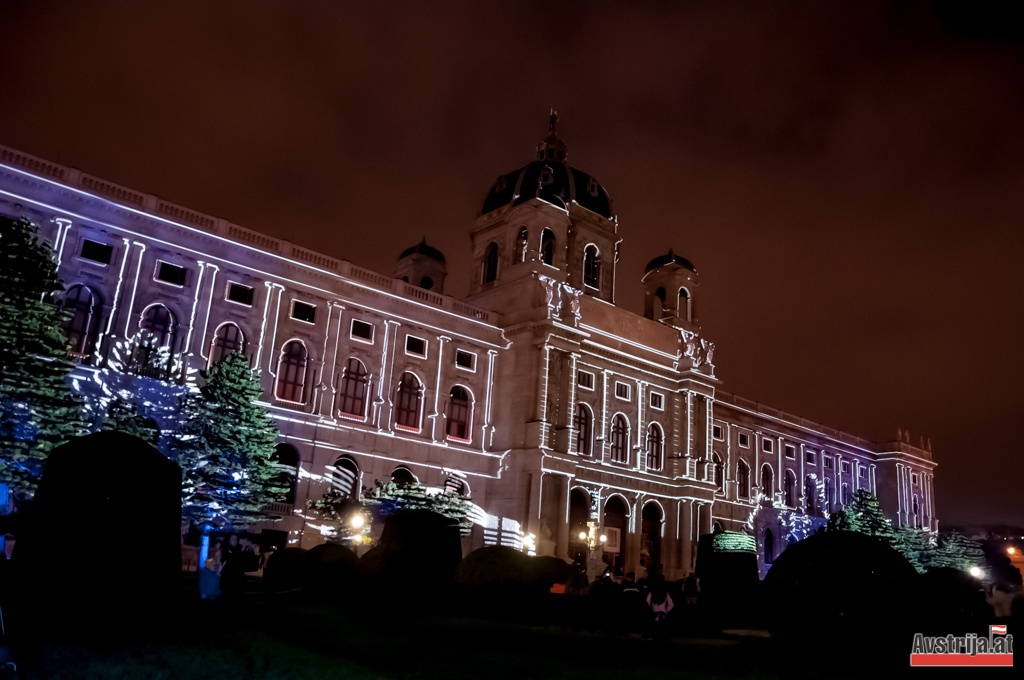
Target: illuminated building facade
[(535, 396)]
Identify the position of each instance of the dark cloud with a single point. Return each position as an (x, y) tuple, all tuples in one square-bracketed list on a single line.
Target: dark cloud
[(845, 175)]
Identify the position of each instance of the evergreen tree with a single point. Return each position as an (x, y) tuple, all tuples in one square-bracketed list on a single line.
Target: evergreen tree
[(123, 416), (864, 515), (957, 551), (225, 444), (390, 497), (37, 408)]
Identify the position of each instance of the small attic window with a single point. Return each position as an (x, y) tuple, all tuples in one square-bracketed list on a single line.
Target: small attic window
[(546, 175), (592, 187), (500, 184)]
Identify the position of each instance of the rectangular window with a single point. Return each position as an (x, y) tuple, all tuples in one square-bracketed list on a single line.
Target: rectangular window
[(810, 458), (170, 273), (863, 472), (415, 346), (303, 311), (790, 451), (716, 432), (97, 252), (846, 466), (465, 360), (241, 294), (621, 391), (826, 462), (657, 401), (585, 379), (361, 331), (744, 440), (914, 478), (767, 445)]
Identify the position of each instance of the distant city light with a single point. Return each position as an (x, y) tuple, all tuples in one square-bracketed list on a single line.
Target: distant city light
[(1011, 550)]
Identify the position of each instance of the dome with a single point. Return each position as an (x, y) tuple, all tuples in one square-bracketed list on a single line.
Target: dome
[(669, 258), (551, 179), (423, 249)]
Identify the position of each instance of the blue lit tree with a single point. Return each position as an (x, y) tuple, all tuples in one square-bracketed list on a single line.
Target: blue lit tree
[(38, 410), (225, 445)]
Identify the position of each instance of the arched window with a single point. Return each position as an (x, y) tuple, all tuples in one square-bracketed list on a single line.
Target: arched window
[(846, 494), (459, 415), (353, 389), (345, 477), (719, 472), (584, 430), (522, 245), (810, 494), (83, 327), (742, 479), (227, 339), (407, 402), (767, 481), (917, 517), (620, 439), (286, 459), (490, 273), (547, 247), (157, 329), (159, 322), (291, 373), (655, 447), (789, 480), (684, 304), (403, 476), (828, 496), (591, 267), (660, 295)]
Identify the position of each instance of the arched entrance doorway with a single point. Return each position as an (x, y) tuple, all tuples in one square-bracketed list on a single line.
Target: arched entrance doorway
[(579, 515), (650, 538), (616, 528)]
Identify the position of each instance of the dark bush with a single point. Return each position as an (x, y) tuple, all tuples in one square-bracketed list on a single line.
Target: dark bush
[(285, 570), (328, 569), (413, 563), (841, 588)]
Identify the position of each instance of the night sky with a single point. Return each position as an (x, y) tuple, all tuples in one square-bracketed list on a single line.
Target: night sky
[(847, 177)]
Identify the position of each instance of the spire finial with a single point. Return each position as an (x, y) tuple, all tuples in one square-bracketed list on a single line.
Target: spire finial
[(552, 148)]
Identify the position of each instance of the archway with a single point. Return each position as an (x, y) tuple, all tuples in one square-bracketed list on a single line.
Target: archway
[(650, 538), (579, 515), (616, 528)]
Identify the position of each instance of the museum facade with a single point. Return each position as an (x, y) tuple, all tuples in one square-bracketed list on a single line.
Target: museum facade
[(557, 413)]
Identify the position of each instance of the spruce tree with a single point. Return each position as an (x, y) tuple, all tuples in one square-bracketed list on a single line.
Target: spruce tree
[(864, 515), (123, 416), (225, 444), (957, 551), (37, 408)]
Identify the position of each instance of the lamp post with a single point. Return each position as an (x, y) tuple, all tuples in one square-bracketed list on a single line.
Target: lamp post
[(593, 540)]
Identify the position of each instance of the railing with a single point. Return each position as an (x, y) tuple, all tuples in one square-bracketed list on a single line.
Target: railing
[(757, 407), (213, 225), (279, 508)]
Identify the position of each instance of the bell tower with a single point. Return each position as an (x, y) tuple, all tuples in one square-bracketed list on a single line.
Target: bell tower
[(546, 219), (670, 282)]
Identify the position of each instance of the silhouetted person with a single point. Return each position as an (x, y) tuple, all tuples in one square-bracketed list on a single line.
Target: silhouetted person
[(660, 604), (232, 574), (209, 580)]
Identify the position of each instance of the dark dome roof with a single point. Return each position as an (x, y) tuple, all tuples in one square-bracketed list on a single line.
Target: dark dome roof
[(663, 260), (549, 178), (423, 249)]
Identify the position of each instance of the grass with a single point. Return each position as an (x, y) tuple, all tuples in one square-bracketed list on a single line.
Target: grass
[(294, 637)]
